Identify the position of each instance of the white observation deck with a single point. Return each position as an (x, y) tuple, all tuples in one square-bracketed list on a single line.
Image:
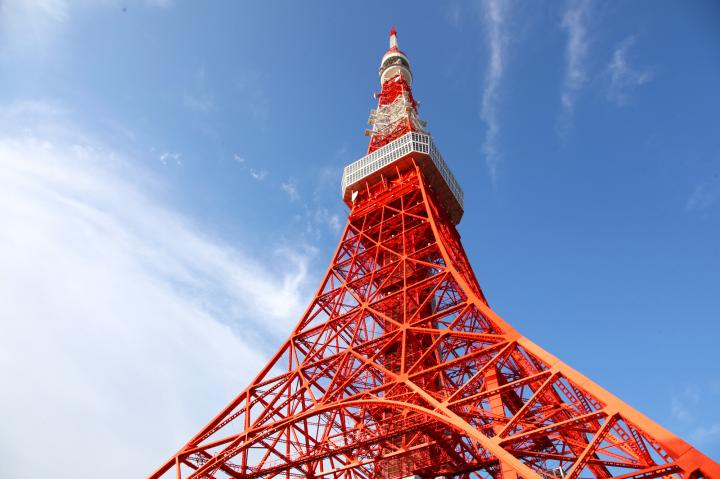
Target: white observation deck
[(399, 154)]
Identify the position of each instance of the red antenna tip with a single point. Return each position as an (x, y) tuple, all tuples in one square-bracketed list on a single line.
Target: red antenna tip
[(392, 31)]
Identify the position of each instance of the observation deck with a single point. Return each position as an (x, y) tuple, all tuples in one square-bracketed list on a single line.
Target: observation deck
[(398, 155)]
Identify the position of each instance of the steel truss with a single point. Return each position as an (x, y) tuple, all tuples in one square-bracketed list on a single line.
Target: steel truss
[(400, 367), (396, 114)]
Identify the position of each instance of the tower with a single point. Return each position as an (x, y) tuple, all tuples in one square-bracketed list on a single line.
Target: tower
[(399, 367)]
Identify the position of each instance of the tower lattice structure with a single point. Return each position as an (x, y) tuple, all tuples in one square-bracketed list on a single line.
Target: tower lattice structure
[(400, 368)]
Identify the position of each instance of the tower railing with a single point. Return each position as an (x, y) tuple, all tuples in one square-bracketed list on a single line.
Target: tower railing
[(412, 142)]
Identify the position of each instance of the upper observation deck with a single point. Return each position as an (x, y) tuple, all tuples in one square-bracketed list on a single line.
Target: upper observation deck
[(398, 155)]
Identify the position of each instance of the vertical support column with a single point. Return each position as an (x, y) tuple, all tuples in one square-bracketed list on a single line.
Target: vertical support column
[(498, 411)]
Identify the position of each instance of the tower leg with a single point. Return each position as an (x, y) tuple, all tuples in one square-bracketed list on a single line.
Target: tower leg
[(498, 411)]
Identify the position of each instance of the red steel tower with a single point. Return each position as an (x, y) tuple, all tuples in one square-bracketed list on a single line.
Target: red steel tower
[(400, 368)]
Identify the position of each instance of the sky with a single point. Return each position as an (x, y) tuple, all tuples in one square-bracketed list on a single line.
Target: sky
[(170, 199)]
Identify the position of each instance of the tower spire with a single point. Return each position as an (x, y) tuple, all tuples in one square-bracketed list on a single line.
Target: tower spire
[(396, 113), (394, 61)]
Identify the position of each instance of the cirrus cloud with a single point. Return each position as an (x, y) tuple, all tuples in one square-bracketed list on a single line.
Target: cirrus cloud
[(124, 326)]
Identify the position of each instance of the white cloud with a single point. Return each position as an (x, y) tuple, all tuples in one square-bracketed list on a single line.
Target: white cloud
[(258, 174), (200, 98), (315, 220), (32, 26), (685, 403), (680, 408), (124, 328), (201, 102), (255, 174), (703, 434), (160, 3), (290, 188), (623, 76), (703, 195), (251, 85), (35, 30), (23, 108), (454, 14), (574, 22), (323, 216), (493, 16), (170, 157)]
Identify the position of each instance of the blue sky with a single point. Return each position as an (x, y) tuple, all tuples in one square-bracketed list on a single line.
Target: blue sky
[(169, 188)]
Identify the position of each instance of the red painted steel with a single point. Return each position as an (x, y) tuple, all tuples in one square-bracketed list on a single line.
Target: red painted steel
[(400, 367), (391, 90)]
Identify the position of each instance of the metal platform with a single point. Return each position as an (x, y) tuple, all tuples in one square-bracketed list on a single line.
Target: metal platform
[(398, 153)]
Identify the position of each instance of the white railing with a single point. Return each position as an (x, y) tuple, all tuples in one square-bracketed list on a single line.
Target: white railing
[(406, 144)]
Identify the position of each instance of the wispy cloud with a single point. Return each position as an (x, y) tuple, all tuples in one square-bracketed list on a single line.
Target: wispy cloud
[(623, 76), (317, 220), (35, 29), (199, 98), (251, 87), (683, 403), (454, 14), (290, 187), (704, 194), (24, 108), (118, 310), (258, 174), (170, 157), (686, 402), (574, 22), (160, 3), (255, 173), (703, 434), (198, 102), (32, 27), (493, 16), (318, 214), (328, 218)]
